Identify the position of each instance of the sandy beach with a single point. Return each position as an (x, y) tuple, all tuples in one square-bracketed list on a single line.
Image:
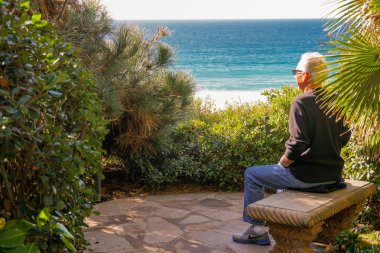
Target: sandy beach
[(221, 98)]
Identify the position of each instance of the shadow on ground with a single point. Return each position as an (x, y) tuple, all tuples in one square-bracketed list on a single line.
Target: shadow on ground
[(176, 223)]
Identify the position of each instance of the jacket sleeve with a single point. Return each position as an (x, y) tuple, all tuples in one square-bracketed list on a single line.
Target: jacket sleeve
[(299, 139)]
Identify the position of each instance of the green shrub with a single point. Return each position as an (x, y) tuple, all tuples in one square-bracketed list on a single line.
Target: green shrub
[(152, 99), (361, 166), (349, 241), (217, 146), (238, 137), (50, 135)]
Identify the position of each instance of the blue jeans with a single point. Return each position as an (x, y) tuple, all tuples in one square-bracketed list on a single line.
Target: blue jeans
[(273, 176)]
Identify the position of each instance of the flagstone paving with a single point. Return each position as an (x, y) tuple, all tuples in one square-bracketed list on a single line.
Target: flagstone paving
[(175, 223), (178, 223)]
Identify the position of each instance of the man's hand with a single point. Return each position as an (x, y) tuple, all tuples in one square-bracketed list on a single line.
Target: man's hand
[(285, 162)]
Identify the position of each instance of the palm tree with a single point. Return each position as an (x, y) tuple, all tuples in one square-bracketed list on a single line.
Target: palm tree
[(353, 88)]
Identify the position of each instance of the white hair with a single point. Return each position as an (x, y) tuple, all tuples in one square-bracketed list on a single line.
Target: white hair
[(314, 64)]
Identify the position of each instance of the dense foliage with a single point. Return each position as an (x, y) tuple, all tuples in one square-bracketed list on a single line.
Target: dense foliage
[(152, 97), (357, 240), (360, 165), (142, 95), (50, 136), (353, 87), (216, 146)]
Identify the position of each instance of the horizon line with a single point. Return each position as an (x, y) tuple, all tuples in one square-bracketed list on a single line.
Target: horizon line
[(221, 19)]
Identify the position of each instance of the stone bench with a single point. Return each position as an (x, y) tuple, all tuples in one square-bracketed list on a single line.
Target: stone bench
[(296, 218)]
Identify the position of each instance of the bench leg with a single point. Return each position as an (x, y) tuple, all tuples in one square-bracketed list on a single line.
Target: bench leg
[(339, 222), (293, 239)]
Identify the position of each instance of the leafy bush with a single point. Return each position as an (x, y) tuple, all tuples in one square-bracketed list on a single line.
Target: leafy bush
[(238, 137), (360, 165), (142, 95), (50, 135), (349, 241), (217, 146), (152, 98)]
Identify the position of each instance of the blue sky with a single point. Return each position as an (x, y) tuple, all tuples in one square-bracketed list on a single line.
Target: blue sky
[(215, 9)]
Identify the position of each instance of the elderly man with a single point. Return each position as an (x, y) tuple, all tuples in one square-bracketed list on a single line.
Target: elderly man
[(312, 155)]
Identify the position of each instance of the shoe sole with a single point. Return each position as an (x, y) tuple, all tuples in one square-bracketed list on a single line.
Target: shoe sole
[(257, 242)]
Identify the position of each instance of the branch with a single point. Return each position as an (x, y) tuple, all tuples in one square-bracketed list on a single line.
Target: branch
[(9, 191)]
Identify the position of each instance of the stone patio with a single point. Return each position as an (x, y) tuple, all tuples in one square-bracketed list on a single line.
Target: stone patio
[(176, 223)]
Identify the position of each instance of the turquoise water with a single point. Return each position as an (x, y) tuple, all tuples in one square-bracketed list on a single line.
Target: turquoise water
[(247, 55)]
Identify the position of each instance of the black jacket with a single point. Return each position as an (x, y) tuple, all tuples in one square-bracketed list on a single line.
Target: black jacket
[(315, 141)]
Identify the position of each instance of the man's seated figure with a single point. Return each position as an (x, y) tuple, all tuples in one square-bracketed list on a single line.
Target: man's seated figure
[(312, 155)]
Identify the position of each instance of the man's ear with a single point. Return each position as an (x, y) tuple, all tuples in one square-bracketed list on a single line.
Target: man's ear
[(305, 77)]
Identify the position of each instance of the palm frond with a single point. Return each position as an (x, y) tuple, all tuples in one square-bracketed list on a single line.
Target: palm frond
[(354, 15), (349, 13), (353, 88)]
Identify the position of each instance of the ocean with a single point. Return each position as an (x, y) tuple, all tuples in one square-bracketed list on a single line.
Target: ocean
[(237, 59)]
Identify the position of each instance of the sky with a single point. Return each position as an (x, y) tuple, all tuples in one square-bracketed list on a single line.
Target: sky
[(215, 9)]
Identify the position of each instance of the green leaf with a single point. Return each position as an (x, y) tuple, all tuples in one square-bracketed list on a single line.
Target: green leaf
[(24, 19), (82, 169), (62, 78), (4, 92), (41, 24), (23, 99), (48, 200), (15, 91), (24, 225), (68, 244), (6, 120), (7, 132), (63, 231), (33, 113), (32, 248), (25, 5), (11, 110), (36, 17), (87, 190), (43, 217), (51, 79), (11, 238), (60, 205), (19, 249), (55, 93), (19, 224), (23, 109)]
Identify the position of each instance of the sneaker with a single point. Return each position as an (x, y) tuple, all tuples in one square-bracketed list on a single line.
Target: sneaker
[(254, 235)]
